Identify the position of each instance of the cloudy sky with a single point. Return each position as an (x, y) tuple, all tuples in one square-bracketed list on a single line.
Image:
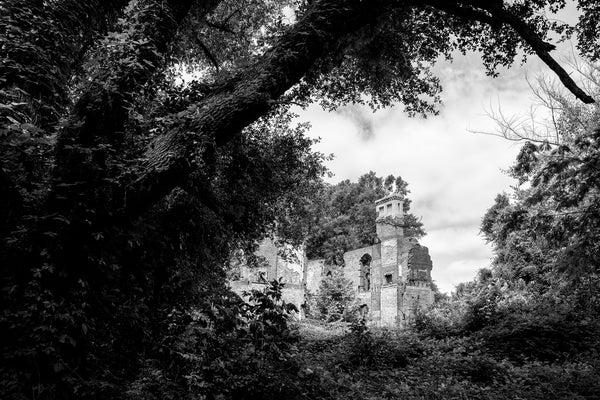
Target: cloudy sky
[(453, 173)]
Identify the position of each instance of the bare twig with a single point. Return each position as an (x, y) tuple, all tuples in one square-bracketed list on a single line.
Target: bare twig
[(220, 26)]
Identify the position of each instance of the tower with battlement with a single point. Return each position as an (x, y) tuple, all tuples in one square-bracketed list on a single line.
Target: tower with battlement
[(390, 217), (392, 278)]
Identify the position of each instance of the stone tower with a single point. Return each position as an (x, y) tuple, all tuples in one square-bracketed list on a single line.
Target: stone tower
[(391, 278), (390, 231), (390, 217)]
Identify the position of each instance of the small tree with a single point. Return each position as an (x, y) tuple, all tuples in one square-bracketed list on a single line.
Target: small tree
[(335, 299)]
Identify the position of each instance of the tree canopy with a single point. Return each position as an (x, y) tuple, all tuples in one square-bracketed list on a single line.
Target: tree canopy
[(539, 298), (342, 216), (545, 233), (121, 188)]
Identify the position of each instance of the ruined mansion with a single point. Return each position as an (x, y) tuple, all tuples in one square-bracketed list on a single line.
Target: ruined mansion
[(392, 278)]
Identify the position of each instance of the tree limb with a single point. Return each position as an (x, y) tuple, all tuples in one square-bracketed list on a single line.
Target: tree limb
[(542, 49), (468, 13), (468, 9), (221, 115), (99, 116), (220, 26), (207, 53), (224, 113)]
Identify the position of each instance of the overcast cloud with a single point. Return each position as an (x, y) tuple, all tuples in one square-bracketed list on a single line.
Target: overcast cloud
[(453, 174)]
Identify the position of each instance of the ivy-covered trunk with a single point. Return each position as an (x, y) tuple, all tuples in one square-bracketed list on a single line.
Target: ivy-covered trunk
[(90, 191)]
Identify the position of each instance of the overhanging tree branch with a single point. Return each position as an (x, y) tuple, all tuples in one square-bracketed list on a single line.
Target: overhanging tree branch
[(208, 53), (495, 14), (221, 115), (470, 14), (99, 116), (225, 112), (542, 49), (50, 36)]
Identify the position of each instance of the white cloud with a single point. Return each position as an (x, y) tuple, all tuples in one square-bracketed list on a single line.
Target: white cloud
[(453, 174)]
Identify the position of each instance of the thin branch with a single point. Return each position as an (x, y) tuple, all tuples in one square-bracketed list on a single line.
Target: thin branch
[(228, 18), (517, 128), (471, 9), (208, 53), (469, 14), (542, 49), (220, 26)]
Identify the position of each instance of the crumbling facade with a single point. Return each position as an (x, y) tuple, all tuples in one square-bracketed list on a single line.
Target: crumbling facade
[(273, 266), (392, 277)]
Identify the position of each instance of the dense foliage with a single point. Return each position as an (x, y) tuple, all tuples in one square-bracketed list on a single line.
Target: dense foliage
[(343, 216), (382, 364), (546, 233), (537, 306), (124, 192), (334, 300), (225, 348)]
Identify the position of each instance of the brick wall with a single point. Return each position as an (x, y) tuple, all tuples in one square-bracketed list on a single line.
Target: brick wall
[(389, 305), (352, 267)]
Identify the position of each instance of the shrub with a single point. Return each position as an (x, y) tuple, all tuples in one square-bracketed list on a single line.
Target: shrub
[(442, 319), (226, 348), (379, 349), (335, 299)]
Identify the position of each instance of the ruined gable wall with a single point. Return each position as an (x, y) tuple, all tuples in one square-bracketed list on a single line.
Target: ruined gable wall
[(352, 267), (416, 268), (290, 269), (415, 262), (414, 298), (390, 257), (294, 294), (268, 251), (419, 264)]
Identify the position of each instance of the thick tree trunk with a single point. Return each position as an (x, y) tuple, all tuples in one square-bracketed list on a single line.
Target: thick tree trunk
[(95, 126), (42, 44), (90, 142), (89, 201)]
